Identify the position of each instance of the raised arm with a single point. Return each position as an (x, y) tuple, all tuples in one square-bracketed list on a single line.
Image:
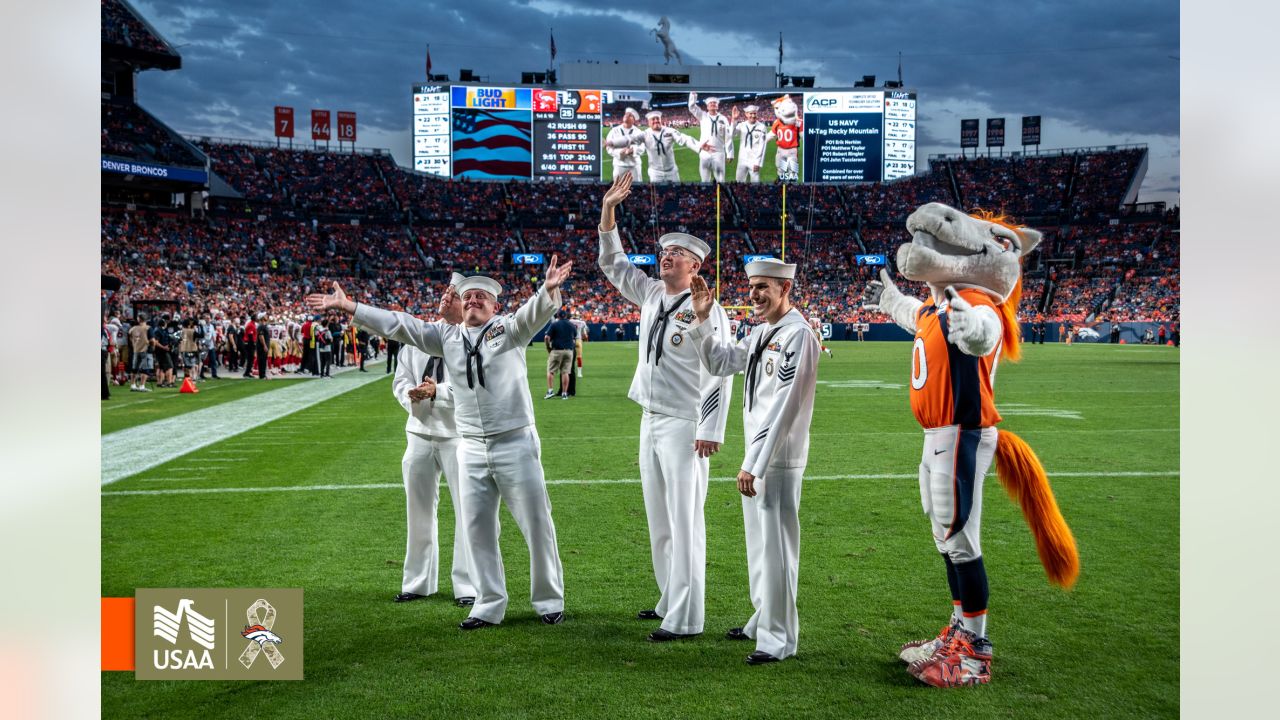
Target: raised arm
[(883, 296), (714, 391), (630, 281), (694, 110), (718, 352), (538, 310)]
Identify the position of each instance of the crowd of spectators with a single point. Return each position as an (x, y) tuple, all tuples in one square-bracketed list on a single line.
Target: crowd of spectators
[(122, 27), (129, 132), (414, 229)]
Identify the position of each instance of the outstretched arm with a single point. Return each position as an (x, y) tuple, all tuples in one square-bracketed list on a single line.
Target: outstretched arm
[(882, 295), (718, 352), (630, 281), (973, 329), (395, 325), (538, 310)]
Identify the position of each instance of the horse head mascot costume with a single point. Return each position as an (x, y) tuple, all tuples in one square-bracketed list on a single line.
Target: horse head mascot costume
[(973, 267)]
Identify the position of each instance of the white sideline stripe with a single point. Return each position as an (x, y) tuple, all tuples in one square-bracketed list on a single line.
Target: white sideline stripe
[(625, 481), (133, 450)]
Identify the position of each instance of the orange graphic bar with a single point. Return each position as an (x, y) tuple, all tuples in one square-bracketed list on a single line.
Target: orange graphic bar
[(117, 633)]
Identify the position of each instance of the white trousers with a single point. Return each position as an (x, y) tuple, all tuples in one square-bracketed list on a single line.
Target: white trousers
[(632, 167), (674, 481), (788, 161), (952, 469), (746, 174), (425, 458), (507, 467), (772, 520), (656, 175), (711, 164)]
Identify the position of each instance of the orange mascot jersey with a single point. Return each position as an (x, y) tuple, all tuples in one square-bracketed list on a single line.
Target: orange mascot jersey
[(949, 387), (788, 135)]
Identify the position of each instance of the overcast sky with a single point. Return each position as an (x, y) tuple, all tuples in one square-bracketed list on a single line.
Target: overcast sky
[(1100, 72)]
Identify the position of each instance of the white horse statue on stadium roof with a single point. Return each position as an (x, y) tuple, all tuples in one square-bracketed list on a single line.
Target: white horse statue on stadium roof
[(662, 34)]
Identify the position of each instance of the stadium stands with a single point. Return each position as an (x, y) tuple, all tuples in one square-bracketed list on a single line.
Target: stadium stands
[(293, 231)]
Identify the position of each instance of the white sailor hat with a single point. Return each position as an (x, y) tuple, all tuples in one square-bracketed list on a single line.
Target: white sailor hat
[(712, 100), (653, 114), (457, 279), (751, 108), (632, 112), (686, 241), (771, 267), (480, 282)]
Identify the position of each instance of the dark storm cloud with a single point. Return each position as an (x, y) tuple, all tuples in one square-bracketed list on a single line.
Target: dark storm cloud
[(1105, 66)]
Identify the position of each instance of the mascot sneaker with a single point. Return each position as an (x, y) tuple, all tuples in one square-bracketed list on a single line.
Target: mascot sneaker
[(964, 660), (917, 650)]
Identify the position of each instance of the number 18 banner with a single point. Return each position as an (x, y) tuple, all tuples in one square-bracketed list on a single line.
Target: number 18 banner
[(346, 126)]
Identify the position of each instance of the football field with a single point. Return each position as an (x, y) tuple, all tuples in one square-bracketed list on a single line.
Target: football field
[(310, 496)]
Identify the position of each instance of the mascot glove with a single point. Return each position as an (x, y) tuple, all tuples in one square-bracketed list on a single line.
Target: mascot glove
[(879, 293)]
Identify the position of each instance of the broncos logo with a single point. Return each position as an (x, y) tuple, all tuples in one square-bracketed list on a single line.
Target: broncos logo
[(260, 635)]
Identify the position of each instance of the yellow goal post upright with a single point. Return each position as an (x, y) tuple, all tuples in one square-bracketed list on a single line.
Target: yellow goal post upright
[(726, 307)]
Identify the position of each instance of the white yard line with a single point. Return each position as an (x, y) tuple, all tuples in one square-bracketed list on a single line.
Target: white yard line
[(133, 450), (624, 481)]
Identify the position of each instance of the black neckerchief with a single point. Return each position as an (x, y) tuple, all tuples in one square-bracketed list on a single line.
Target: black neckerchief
[(658, 330), (473, 353), (435, 370), (753, 374)]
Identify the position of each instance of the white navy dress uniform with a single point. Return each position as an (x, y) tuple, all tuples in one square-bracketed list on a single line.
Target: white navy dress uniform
[(681, 403), (660, 148), (500, 453), (716, 132), (752, 139), (619, 139), (780, 361), (432, 449)]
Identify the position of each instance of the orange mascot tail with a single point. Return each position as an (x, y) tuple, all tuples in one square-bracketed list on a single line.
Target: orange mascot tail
[(1024, 478)]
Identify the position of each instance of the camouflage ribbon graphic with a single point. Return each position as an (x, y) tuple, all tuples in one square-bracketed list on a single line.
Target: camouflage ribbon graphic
[(267, 645)]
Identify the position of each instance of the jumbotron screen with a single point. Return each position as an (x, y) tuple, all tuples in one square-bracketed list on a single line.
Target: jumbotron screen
[(479, 132)]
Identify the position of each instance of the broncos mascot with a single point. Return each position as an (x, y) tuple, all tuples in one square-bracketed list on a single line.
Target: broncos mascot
[(973, 267)]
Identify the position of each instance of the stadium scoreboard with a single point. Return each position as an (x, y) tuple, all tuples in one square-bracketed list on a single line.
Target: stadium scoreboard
[(502, 133)]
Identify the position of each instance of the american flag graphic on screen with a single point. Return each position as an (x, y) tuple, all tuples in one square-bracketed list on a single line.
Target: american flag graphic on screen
[(492, 144)]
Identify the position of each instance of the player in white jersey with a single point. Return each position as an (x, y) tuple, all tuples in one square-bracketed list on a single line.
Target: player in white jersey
[(582, 336), (625, 143), (660, 144), (500, 454), (275, 335), (753, 136), (815, 324), (716, 138), (780, 360), (682, 425), (425, 391)]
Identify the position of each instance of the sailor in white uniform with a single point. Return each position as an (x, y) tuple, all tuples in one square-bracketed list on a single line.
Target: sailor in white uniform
[(425, 391), (499, 455), (660, 144), (753, 136), (625, 143), (682, 424), (716, 139), (780, 360)]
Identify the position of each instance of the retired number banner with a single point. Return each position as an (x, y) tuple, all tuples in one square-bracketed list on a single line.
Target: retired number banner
[(284, 122), (319, 124), (346, 126)]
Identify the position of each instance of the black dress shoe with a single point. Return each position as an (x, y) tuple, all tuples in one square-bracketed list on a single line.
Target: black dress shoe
[(554, 618), (737, 634), (406, 597), (661, 635), (464, 601), (473, 623), (648, 615), (760, 658)]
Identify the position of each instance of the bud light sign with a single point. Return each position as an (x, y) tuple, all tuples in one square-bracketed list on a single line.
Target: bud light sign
[(643, 259), (527, 258), (871, 260)]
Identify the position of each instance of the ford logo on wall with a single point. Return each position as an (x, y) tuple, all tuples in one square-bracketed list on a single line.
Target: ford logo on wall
[(527, 258), (643, 259)]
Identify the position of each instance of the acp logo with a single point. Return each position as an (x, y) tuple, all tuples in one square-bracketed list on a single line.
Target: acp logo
[(820, 102)]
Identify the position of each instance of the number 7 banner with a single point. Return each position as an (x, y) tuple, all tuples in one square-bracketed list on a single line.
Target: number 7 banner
[(319, 124), (284, 122)]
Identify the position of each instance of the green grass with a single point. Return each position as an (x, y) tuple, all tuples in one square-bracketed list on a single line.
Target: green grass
[(126, 409), (687, 162), (869, 576)]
